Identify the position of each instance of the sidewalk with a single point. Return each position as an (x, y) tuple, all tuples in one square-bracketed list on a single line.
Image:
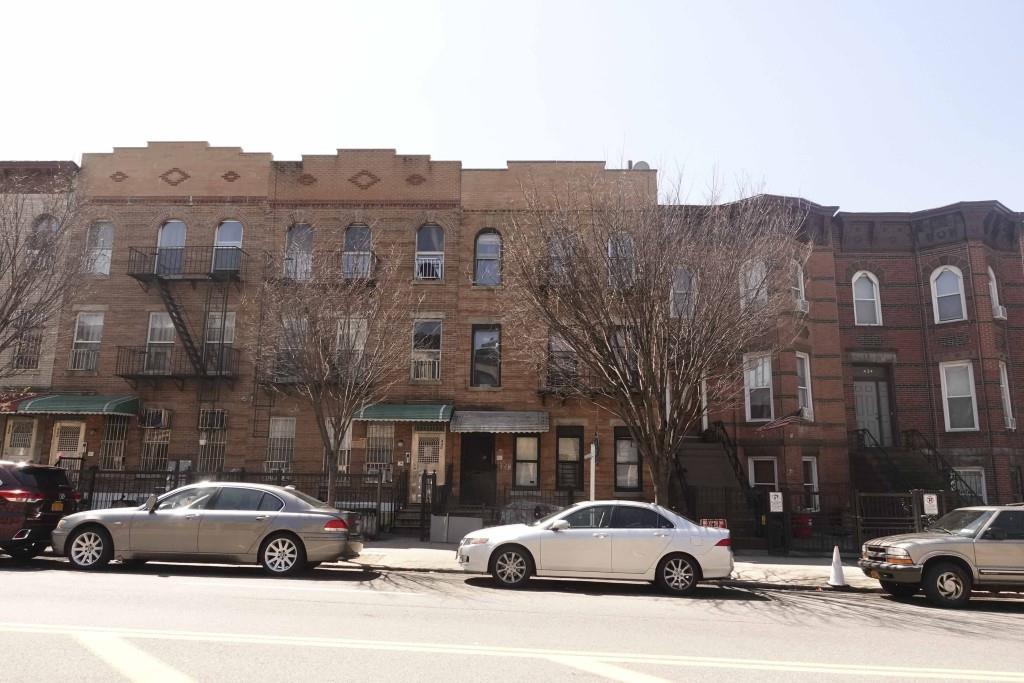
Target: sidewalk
[(752, 570)]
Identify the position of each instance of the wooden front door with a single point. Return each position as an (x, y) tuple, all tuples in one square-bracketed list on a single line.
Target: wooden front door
[(871, 403), (478, 474)]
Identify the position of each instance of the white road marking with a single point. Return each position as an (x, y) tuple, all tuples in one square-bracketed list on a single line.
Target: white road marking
[(605, 670), (861, 670), (133, 663)]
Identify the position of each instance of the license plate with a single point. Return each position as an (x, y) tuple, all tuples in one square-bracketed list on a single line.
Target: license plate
[(873, 573), (56, 506)]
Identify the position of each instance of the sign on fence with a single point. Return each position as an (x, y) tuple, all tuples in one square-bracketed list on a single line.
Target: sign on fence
[(930, 503), (775, 501)]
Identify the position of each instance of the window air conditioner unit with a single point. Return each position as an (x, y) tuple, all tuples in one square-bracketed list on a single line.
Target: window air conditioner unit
[(155, 418), (803, 305), (1000, 313), (213, 419)]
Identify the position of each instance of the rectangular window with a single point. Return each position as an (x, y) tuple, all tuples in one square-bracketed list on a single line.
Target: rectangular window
[(350, 342), (758, 387), (27, 349), (974, 477), (155, 444), (627, 461), (803, 385), (345, 452), (213, 445), (426, 350), (21, 432), (809, 464), (86, 346), (486, 370), (115, 438), (219, 336), (159, 343), (280, 445), (1004, 393), (527, 462), (562, 363), (569, 473), (380, 448), (763, 473), (681, 300), (959, 406)]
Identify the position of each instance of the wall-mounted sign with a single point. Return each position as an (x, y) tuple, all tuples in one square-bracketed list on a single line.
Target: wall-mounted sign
[(774, 501)]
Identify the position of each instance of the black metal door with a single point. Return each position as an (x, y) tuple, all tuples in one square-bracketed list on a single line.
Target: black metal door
[(478, 475)]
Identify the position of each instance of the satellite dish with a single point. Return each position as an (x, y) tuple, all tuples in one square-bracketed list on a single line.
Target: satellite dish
[(641, 166)]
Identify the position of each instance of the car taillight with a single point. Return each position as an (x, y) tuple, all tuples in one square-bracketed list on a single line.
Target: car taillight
[(724, 543), (336, 525), (75, 496), (21, 496)]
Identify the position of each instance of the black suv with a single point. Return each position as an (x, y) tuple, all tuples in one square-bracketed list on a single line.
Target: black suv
[(33, 498)]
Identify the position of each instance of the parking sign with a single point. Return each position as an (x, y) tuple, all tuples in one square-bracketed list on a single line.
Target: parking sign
[(930, 503)]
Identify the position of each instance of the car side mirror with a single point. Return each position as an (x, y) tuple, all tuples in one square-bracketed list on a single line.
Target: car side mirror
[(151, 503), (996, 534), (559, 525)]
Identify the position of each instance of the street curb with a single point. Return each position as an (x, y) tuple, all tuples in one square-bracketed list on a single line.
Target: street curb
[(730, 583)]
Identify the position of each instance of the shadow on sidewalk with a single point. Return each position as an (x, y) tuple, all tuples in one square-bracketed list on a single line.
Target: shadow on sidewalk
[(598, 588)]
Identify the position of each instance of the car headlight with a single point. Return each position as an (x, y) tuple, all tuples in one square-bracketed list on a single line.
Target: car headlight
[(473, 541), (63, 521), (897, 556)]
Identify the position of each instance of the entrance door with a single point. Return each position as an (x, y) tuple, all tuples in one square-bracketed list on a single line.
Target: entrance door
[(478, 473), (20, 439), (68, 440), (871, 403), (427, 456)]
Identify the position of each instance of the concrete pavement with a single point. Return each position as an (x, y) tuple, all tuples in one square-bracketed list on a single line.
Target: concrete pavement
[(178, 622), (406, 554)]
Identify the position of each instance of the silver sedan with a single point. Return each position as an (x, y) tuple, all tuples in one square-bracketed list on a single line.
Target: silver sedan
[(281, 528)]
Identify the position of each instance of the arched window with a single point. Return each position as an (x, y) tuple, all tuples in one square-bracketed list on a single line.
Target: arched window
[(227, 248), (998, 310), (867, 303), (487, 263), (101, 246), (430, 252), (948, 294), (170, 248), (754, 283), (357, 259), (298, 252), (681, 296)]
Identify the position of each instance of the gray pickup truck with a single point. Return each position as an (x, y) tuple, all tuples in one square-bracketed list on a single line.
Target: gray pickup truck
[(972, 548)]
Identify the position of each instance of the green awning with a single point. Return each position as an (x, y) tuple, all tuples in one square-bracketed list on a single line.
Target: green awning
[(78, 404), (406, 412)]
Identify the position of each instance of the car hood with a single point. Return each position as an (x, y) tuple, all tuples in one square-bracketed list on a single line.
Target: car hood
[(106, 514), (920, 538), (502, 532)]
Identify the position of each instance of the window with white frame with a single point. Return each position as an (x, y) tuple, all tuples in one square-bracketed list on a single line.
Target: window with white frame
[(621, 260), (213, 444), (115, 438), (974, 477), (797, 285), (298, 252), (155, 444), (809, 466), (430, 252), (426, 350), (867, 302), (487, 265), (754, 283), (803, 385), (28, 348), (958, 402), (345, 450), (351, 338), (227, 247), (101, 247), (220, 335), (758, 386), (627, 461), (681, 296), (85, 348), (1004, 392), (526, 456), (280, 445), (357, 258), (947, 285), (159, 343), (762, 472), (998, 310), (380, 448)]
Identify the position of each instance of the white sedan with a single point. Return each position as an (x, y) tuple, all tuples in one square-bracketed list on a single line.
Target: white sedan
[(611, 539)]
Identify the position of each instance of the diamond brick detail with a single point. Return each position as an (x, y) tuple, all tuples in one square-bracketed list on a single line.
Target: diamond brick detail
[(415, 179), (364, 180), (231, 176), (307, 179), (118, 176), (174, 176)]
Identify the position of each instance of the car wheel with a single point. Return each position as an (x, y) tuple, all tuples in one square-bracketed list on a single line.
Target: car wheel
[(90, 548), (677, 575), (283, 555), (947, 585), (900, 591), (512, 567)]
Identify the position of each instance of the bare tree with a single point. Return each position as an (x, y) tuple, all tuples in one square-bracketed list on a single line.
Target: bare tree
[(649, 310), (42, 260), (334, 331)]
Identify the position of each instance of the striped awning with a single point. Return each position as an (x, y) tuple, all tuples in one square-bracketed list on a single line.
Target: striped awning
[(406, 412), (500, 421), (79, 404)]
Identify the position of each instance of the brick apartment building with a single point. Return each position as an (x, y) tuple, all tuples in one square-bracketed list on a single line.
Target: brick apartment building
[(912, 328)]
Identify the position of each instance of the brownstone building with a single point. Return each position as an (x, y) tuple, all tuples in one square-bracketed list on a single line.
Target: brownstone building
[(905, 362)]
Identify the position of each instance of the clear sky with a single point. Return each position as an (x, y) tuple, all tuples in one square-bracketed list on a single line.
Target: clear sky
[(867, 105)]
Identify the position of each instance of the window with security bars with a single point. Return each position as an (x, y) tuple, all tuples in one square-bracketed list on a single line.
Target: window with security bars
[(115, 437), (380, 448), (86, 345), (280, 445), (27, 349), (426, 349), (155, 444), (212, 446), (345, 454), (429, 445), (21, 432)]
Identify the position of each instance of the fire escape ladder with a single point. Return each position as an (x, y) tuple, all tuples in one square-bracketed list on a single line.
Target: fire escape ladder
[(262, 397), (177, 316), (214, 355), (721, 435), (965, 494)]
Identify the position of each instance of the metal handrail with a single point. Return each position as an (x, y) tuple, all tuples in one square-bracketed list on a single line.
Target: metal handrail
[(867, 440), (914, 440), (720, 434)]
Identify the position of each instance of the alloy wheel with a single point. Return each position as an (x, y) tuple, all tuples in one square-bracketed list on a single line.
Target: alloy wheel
[(950, 585), (87, 548), (281, 554), (510, 567), (678, 574)]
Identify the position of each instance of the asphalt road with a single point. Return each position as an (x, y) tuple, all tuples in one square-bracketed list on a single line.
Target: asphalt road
[(170, 622)]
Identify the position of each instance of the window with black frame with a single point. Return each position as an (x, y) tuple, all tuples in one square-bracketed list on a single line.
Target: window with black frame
[(526, 456), (486, 360), (627, 461), (569, 469)]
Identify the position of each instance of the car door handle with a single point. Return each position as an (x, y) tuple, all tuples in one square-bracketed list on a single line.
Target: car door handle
[(192, 516), (261, 516), (600, 535), (661, 535)]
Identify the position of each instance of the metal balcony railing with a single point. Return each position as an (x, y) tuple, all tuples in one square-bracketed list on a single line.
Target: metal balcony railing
[(166, 360), (83, 359), (186, 263), (429, 266), (426, 368)]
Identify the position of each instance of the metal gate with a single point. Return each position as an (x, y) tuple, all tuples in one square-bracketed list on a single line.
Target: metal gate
[(886, 514)]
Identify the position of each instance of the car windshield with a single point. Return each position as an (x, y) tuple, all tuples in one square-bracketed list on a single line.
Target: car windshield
[(961, 522), (548, 518), (310, 500)]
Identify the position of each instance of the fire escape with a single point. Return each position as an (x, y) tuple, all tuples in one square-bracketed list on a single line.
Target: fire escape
[(204, 352)]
